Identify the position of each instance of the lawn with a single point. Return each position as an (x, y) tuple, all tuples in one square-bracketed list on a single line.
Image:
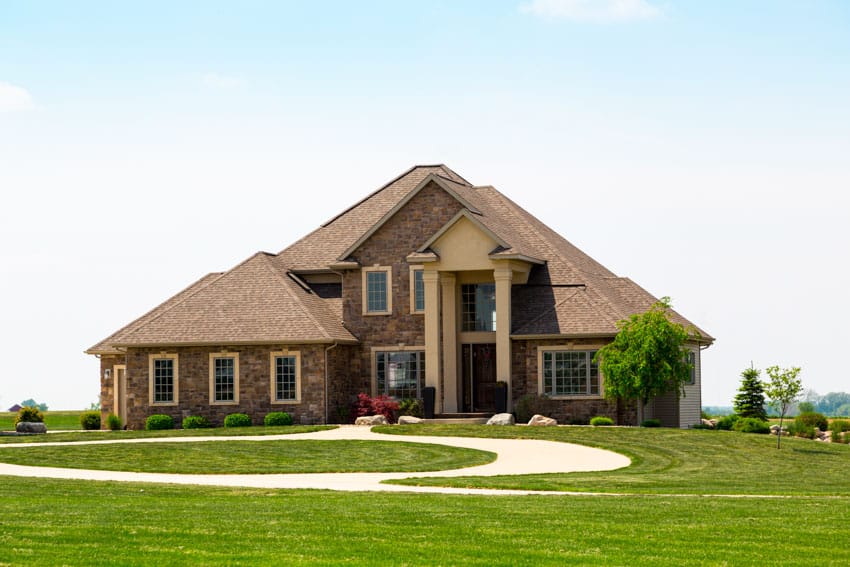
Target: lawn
[(50, 522), (54, 522), (670, 461), (117, 435), (247, 457), (54, 420)]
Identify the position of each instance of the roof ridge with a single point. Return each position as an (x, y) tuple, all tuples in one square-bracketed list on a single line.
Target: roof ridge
[(288, 290)]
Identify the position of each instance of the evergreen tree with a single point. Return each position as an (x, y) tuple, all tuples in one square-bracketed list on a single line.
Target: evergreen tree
[(749, 401)]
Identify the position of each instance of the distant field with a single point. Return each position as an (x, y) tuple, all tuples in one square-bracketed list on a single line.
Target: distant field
[(55, 420)]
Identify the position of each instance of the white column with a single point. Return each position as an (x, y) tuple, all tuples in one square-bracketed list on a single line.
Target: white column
[(503, 277), (432, 334), (450, 394)]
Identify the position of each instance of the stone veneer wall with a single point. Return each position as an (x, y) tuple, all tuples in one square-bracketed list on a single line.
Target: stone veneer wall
[(525, 381), (107, 388), (404, 233), (254, 385)]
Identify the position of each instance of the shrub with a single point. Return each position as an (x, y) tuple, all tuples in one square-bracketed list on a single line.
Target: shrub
[(751, 425), (159, 421), (411, 406), (196, 422), (727, 422), (277, 418), (532, 404), (813, 419), (379, 405), (601, 420), (29, 413), (799, 429), (650, 423), (237, 420), (90, 420), (113, 422), (838, 428)]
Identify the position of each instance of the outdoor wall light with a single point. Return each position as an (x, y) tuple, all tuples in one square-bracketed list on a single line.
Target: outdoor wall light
[(106, 374)]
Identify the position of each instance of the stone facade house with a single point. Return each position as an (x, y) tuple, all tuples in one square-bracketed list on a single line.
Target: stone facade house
[(429, 283)]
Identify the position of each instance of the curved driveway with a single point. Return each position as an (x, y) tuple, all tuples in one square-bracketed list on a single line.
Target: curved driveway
[(515, 456)]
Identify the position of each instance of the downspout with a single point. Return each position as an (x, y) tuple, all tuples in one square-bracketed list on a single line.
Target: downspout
[(327, 406)]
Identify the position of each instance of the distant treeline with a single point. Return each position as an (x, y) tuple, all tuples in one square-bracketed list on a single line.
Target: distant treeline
[(833, 404)]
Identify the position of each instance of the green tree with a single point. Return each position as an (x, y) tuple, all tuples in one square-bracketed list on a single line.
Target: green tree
[(647, 358), (31, 403), (749, 401), (783, 389)]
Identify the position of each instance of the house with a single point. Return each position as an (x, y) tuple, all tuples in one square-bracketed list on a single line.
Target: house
[(15, 408), (429, 282)]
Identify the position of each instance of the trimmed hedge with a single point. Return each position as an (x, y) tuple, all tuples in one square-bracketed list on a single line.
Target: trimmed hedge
[(601, 420), (751, 425), (29, 414), (277, 418), (90, 420), (650, 423), (237, 420), (727, 422), (159, 421), (196, 422), (113, 422)]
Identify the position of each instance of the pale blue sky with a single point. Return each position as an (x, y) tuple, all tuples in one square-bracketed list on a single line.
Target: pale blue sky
[(699, 148)]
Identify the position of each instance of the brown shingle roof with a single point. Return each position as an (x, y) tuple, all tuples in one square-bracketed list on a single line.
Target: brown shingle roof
[(254, 303)]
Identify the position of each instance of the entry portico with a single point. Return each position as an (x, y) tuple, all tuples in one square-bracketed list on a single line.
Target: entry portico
[(467, 302)]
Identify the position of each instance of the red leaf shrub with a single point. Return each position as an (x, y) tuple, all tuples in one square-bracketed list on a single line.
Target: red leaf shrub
[(379, 405)]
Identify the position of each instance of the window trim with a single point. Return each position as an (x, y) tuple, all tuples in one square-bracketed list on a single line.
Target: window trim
[(568, 348), (235, 356), (175, 400), (365, 280), (413, 271), (475, 320), (693, 377), (273, 376), (396, 348)]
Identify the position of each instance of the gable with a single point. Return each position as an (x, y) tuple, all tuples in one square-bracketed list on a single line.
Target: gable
[(464, 246)]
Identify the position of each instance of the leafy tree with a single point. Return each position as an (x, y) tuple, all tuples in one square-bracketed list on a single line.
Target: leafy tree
[(749, 402), (806, 407), (783, 389), (647, 358), (31, 403), (830, 404)]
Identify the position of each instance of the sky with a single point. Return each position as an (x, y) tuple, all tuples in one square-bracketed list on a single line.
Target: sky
[(701, 149)]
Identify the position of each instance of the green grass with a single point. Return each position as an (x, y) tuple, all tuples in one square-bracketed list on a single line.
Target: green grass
[(669, 461), (54, 420), (117, 435), (55, 522), (251, 457)]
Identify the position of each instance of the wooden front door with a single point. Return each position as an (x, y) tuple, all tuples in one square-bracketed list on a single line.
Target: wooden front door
[(479, 377)]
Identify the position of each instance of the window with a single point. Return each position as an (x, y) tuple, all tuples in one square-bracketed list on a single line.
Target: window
[(692, 360), (163, 381), (479, 307), (377, 299), (569, 373), (417, 290), (286, 377), (400, 374), (224, 378)]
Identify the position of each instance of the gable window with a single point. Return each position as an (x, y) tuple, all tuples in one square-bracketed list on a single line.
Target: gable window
[(479, 307), (377, 299), (417, 290), (163, 379), (286, 377), (400, 374), (569, 373), (224, 378)]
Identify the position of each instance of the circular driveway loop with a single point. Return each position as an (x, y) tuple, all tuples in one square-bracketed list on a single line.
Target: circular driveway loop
[(515, 456)]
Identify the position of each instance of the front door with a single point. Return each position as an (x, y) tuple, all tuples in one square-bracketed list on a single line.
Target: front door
[(479, 377)]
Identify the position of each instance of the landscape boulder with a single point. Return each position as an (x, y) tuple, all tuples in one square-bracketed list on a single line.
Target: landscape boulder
[(712, 423), (501, 419), (542, 420), (409, 419), (371, 420), (30, 427)]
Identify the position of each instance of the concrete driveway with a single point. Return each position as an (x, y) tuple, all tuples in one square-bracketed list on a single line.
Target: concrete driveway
[(515, 456)]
